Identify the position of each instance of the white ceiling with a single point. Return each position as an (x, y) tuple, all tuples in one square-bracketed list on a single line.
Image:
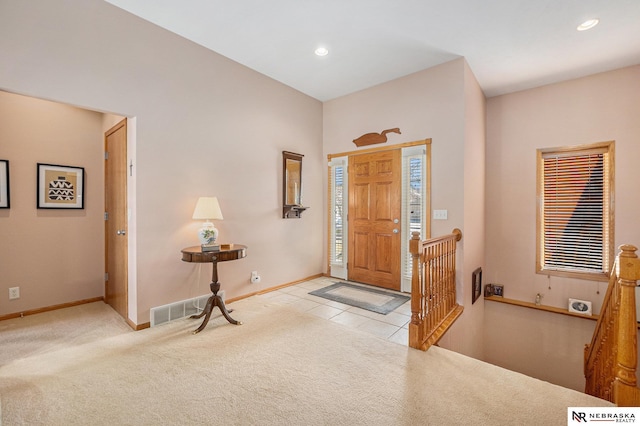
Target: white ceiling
[(510, 45)]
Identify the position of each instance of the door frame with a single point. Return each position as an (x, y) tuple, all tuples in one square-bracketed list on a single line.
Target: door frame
[(341, 270)]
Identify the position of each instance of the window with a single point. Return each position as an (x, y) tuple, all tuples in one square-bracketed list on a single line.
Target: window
[(575, 211), (337, 252), (337, 218), (414, 199)]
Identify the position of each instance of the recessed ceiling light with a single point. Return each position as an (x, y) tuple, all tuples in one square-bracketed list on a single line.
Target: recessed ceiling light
[(587, 25), (322, 51)]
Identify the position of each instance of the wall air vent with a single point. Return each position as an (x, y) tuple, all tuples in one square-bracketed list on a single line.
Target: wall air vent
[(177, 310)]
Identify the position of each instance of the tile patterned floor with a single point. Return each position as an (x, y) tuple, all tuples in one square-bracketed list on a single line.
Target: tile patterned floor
[(392, 327)]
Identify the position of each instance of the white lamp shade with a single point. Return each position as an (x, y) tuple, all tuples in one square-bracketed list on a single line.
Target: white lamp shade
[(207, 208)]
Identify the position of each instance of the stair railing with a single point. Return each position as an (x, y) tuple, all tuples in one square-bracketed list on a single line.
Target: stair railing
[(433, 288), (610, 360)]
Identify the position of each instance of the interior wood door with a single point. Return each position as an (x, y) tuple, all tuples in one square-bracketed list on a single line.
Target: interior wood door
[(374, 218), (116, 241)]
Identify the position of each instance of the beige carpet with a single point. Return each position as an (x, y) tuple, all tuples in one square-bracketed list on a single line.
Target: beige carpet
[(83, 366)]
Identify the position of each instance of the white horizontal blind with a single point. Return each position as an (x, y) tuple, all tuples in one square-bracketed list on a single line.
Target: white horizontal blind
[(413, 198), (575, 208), (337, 190)]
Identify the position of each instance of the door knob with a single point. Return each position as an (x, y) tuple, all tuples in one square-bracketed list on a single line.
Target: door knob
[(395, 221), (395, 231), (121, 232)]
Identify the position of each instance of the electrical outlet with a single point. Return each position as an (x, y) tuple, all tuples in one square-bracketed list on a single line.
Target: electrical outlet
[(14, 293)]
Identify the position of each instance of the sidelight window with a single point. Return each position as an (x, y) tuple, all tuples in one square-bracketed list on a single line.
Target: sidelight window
[(338, 219), (415, 208)]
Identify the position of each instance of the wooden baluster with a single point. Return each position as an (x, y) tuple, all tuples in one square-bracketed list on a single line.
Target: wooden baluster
[(451, 268), (429, 283), (444, 279), (415, 327), (440, 290), (448, 289), (433, 297), (425, 287), (439, 284), (458, 237), (423, 299), (429, 265)]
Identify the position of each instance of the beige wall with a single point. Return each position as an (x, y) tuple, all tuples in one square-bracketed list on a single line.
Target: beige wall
[(598, 108), (443, 103), (466, 336), (427, 104), (54, 256), (205, 126)]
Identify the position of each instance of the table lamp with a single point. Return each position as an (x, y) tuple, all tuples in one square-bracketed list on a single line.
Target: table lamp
[(207, 209)]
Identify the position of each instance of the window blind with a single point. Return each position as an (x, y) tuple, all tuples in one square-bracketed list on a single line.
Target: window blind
[(414, 188), (337, 188), (575, 209)]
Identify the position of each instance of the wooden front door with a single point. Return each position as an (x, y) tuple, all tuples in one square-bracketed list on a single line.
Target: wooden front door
[(115, 201), (374, 218)]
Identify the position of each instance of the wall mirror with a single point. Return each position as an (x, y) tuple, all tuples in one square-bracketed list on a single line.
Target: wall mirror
[(292, 185)]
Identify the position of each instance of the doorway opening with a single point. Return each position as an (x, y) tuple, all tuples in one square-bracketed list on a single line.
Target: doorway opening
[(115, 218), (378, 197)]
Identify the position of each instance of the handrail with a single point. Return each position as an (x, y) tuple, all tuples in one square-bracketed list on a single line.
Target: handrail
[(433, 288), (610, 360)]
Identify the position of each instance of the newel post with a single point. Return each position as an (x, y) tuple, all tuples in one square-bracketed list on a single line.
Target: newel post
[(627, 356), (415, 326)]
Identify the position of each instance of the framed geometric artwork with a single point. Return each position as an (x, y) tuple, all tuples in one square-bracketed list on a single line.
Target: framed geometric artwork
[(4, 185), (60, 187)]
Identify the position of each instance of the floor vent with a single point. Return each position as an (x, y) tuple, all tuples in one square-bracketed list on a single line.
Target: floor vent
[(177, 310)]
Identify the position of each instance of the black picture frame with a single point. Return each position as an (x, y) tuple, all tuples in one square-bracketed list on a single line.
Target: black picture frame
[(488, 290), (498, 290), (5, 193), (476, 285), (60, 187)]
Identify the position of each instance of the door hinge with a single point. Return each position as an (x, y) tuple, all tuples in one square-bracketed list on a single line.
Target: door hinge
[(106, 215), (106, 276), (106, 155)]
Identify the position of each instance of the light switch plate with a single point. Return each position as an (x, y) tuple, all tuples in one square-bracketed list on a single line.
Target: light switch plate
[(440, 214)]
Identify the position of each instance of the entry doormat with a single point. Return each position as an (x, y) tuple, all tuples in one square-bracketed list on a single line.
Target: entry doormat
[(371, 299)]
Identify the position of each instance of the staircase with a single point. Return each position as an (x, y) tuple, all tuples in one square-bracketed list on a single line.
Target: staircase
[(610, 360)]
